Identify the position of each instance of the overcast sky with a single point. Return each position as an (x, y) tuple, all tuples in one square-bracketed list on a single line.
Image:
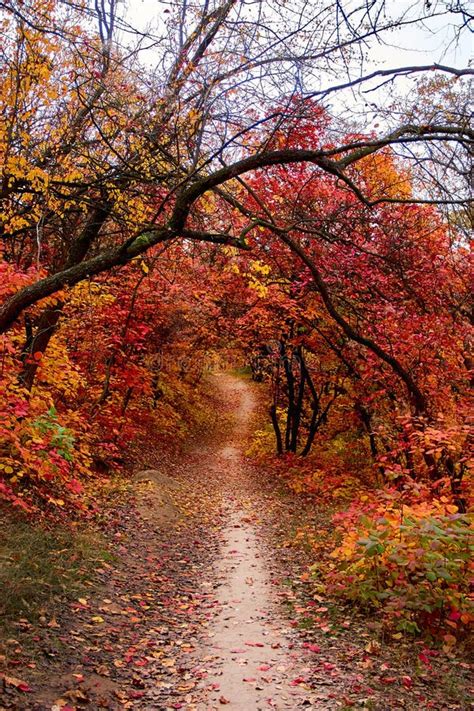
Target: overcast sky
[(434, 41)]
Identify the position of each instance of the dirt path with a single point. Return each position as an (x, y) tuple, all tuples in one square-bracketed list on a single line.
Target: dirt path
[(189, 613), (256, 665)]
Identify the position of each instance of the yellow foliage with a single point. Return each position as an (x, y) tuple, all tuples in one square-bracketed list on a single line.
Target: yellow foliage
[(57, 371)]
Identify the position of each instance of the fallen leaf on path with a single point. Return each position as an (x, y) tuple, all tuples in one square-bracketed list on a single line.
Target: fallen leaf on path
[(298, 680), (373, 647), (76, 695), (16, 683)]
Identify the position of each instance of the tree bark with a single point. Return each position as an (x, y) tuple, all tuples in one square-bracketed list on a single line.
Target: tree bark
[(276, 427)]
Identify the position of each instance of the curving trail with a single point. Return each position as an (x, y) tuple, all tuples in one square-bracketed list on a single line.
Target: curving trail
[(188, 613), (256, 663)]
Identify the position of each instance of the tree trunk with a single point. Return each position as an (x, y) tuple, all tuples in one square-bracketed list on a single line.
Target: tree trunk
[(276, 428), (38, 342), (49, 319), (298, 406)]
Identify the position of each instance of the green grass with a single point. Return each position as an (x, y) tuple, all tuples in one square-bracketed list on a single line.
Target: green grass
[(41, 566)]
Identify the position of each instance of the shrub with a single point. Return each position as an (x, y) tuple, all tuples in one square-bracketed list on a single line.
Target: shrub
[(411, 562)]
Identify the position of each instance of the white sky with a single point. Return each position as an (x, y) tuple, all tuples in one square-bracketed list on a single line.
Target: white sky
[(433, 42)]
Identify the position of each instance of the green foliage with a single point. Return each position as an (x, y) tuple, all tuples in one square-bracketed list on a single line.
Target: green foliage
[(413, 564), (60, 438)]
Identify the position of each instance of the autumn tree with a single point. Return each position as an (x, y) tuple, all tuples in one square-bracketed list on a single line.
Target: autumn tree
[(382, 290), (105, 158)]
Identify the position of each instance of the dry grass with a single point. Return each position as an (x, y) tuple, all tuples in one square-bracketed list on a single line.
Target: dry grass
[(40, 566)]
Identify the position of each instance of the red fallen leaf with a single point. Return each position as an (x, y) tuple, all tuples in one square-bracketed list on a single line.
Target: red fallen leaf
[(328, 666), (298, 680), (423, 658), (16, 683), (312, 647), (24, 687), (264, 667), (223, 700), (407, 682), (249, 678), (141, 663), (388, 679), (255, 644)]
